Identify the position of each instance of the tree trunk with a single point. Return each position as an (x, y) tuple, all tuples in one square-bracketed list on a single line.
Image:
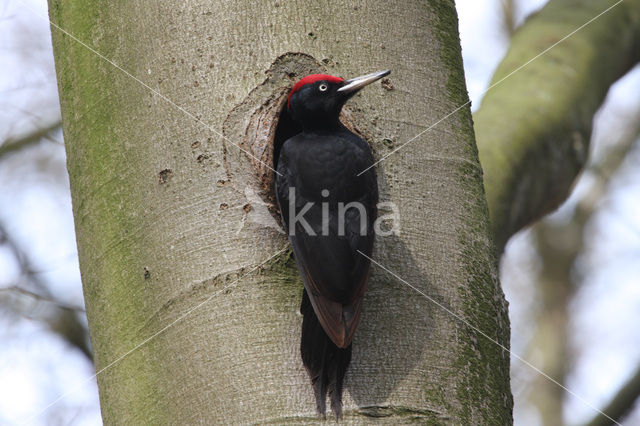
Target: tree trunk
[(179, 256)]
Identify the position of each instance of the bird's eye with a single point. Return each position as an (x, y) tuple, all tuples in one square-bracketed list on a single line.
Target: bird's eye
[(323, 87)]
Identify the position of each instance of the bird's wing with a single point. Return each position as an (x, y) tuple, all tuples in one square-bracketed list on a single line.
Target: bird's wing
[(338, 321), (333, 272)]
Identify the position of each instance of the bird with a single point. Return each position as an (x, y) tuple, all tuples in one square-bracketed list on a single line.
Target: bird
[(327, 192)]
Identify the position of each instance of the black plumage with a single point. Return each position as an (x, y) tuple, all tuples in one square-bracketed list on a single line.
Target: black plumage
[(318, 176)]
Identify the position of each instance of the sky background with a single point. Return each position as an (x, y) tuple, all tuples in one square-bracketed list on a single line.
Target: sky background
[(37, 366)]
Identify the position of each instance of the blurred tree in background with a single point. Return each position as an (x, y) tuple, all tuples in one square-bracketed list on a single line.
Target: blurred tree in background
[(44, 342), (562, 90), (571, 278)]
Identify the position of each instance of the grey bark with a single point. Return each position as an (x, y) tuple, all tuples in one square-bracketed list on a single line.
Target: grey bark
[(167, 224)]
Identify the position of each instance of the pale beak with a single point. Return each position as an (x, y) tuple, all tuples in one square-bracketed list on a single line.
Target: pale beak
[(357, 83)]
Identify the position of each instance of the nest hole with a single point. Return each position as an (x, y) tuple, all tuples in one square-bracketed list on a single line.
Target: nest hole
[(269, 128), (286, 128)]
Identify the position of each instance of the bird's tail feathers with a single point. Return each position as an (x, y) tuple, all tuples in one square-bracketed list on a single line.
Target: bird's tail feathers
[(325, 362)]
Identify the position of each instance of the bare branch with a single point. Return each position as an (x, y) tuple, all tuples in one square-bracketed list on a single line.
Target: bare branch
[(37, 135), (621, 403), (63, 320), (41, 298), (509, 11)]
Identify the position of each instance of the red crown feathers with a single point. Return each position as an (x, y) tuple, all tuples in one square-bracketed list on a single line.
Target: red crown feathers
[(310, 79)]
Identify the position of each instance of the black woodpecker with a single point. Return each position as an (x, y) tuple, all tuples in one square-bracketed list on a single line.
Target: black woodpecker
[(328, 208)]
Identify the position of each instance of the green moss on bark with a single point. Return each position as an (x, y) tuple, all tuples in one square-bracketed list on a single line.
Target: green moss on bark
[(487, 380), (241, 348), (486, 385), (446, 31), (534, 125), (103, 196)]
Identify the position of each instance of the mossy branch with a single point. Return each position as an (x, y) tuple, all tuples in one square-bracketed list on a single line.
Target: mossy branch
[(533, 128)]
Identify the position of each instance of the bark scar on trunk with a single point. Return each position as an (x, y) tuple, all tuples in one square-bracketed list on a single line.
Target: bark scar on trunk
[(261, 123)]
